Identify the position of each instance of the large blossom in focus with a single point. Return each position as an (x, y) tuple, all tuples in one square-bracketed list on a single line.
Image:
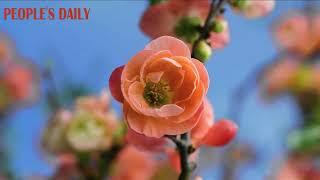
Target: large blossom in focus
[(298, 33), (132, 164), (163, 89)]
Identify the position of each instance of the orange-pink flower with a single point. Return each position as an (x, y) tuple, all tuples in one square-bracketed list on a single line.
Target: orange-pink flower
[(132, 164), (161, 19), (298, 33), (163, 89)]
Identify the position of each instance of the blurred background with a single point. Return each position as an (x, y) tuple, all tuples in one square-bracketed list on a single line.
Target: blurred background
[(82, 55)]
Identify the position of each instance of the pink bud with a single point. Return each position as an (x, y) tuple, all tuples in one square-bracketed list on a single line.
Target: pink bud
[(220, 133), (115, 84)]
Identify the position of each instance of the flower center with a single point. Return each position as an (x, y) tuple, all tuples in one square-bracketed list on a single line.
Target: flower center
[(157, 94)]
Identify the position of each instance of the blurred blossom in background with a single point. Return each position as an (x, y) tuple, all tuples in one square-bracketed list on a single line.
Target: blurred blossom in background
[(77, 57)]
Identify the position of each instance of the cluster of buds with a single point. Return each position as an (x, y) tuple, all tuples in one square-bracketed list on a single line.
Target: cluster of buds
[(184, 19), (18, 80)]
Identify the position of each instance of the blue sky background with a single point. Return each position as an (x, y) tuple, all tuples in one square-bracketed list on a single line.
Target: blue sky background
[(87, 52)]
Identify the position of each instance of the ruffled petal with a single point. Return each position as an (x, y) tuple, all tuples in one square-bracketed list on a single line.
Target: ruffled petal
[(145, 69), (143, 142), (155, 127), (204, 124), (131, 71), (155, 77), (174, 45), (169, 110), (190, 81), (138, 103), (203, 73)]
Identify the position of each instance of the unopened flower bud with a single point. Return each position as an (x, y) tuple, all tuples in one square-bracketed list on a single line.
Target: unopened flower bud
[(217, 26), (241, 4), (154, 2), (187, 28), (203, 51), (221, 133)]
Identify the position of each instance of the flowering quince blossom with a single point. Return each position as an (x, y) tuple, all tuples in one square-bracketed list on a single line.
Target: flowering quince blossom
[(253, 8), (92, 125), (299, 33), (182, 18), (206, 132), (89, 127), (163, 89)]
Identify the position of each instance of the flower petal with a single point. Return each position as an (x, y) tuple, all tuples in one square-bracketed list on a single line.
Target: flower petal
[(204, 76), (143, 142), (169, 110), (174, 45), (155, 77), (204, 124), (131, 71), (157, 127)]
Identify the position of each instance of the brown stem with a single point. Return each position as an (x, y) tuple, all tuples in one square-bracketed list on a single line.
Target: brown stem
[(205, 30)]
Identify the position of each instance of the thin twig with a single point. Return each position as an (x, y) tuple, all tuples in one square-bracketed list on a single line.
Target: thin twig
[(205, 30)]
